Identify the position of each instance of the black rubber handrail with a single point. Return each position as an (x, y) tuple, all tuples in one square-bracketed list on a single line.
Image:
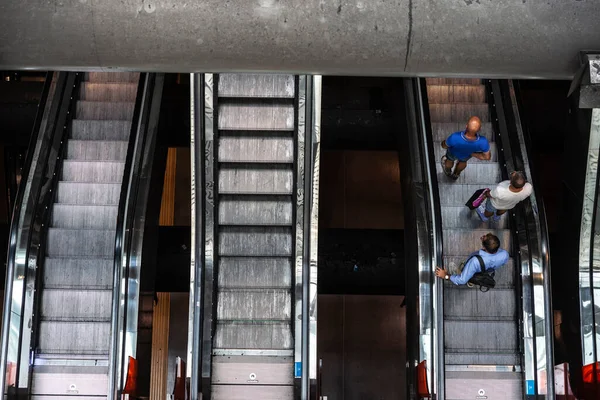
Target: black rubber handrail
[(507, 125), (545, 240), (130, 223), (198, 336), (121, 252), (429, 172), (36, 246), (506, 161)]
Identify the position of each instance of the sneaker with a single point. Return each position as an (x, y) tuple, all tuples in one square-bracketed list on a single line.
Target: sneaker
[(481, 214), (447, 171), (497, 217), (455, 176), (469, 284)]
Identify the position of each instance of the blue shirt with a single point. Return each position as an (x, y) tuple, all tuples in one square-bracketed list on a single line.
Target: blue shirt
[(461, 147), (491, 261)]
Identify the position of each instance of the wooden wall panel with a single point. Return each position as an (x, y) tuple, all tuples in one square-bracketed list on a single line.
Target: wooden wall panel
[(362, 342), (160, 347), (360, 190)]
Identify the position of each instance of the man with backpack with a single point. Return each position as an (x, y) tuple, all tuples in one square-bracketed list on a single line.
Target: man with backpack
[(480, 265)]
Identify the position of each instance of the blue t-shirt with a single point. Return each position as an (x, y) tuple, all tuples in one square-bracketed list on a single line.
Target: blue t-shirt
[(462, 148)]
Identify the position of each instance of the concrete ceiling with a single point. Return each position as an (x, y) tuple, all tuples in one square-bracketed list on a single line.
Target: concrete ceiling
[(483, 38)]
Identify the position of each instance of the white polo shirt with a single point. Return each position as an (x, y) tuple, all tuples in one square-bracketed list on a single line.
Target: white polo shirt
[(504, 199)]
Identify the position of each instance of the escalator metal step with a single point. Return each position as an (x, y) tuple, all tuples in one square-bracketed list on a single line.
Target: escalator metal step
[(74, 338), (109, 77), (255, 272), (255, 241), (117, 92), (456, 93), (453, 81), (249, 335), (484, 335), (256, 210), (460, 113), (100, 130), (88, 193), (71, 305), (83, 273), (473, 304), (254, 305), (480, 358), (256, 86), (72, 216), (93, 171), (255, 180), (96, 150), (263, 149), (104, 110), (85, 242), (268, 115)]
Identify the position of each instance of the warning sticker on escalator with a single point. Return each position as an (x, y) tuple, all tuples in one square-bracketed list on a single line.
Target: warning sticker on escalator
[(481, 394), (73, 389)]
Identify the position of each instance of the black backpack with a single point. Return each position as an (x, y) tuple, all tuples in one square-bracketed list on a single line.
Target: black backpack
[(484, 278)]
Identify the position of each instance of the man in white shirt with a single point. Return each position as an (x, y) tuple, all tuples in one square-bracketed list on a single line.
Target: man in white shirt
[(505, 196)]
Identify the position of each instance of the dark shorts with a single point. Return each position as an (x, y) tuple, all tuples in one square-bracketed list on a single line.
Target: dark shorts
[(452, 157)]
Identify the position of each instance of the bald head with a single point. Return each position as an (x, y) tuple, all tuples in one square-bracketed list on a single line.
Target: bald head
[(474, 125)]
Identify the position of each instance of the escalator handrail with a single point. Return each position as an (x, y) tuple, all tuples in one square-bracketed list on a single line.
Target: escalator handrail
[(36, 246), (544, 236), (42, 192), (121, 250), (429, 172), (14, 228), (516, 152)]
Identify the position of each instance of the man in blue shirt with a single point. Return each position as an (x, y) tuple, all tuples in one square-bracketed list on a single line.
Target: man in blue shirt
[(462, 145), (493, 257)]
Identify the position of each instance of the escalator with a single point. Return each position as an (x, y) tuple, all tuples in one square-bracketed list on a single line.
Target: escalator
[(256, 239), (477, 331), (75, 301), (71, 331), (474, 344)]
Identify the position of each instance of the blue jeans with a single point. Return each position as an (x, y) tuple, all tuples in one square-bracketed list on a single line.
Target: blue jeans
[(489, 207)]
